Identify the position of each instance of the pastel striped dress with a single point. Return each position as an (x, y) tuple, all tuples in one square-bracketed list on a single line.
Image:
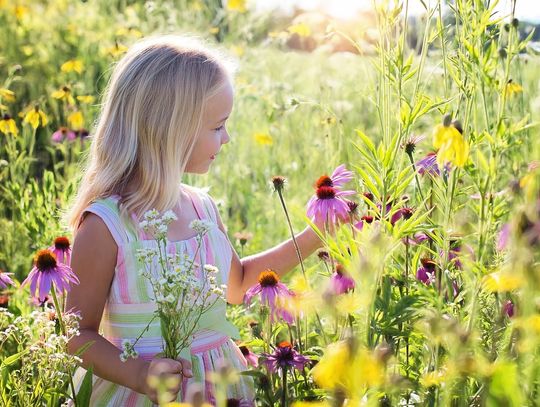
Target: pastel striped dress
[(129, 308)]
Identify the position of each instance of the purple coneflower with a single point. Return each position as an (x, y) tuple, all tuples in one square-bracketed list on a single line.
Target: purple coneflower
[(270, 290), (63, 133), (47, 272), (340, 176), (418, 238), (5, 280), (508, 309), (404, 213), (62, 250), (426, 273), (366, 219), (327, 204), (285, 356), (341, 282), (251, 358), (429, 165)]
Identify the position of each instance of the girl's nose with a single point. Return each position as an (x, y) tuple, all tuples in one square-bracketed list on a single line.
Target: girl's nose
[(225, 138)]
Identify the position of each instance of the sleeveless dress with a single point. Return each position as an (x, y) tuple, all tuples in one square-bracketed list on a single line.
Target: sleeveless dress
[(129, 308)]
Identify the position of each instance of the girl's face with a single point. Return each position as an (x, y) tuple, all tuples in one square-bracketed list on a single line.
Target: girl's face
[(213, 133)]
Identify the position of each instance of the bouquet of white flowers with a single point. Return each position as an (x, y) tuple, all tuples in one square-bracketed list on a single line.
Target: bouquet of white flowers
[(181, 297)]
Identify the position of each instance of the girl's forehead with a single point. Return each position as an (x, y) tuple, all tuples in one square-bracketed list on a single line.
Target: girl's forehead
[(219, 105)]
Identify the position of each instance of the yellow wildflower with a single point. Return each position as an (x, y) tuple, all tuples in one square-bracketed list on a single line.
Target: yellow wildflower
[(116, 50), (263, 139), (7, 94), (27, 50), (35, 117), (302, 29), (340, 368), (237, 50), (513, 88), (85, 99), (72, 65), (311, 404), (237, 5), (452, 146), (329, 121), (213, 30), (124, 32), (76, 120), (64, 94), (502, 282), (8, 125), (20, 12), (433, 378)]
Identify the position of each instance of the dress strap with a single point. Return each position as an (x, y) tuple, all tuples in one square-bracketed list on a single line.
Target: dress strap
[(107, 209), (202, 204)]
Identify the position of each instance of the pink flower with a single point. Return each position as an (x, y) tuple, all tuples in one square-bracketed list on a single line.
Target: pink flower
[(404, 213), (251, 358), (47, 272), (285, 356), (5, 280), (63, 133), (271, 290), (62, 250), (503, 237), (341, 282), (426, 273), (340, 176), (363, 221), (508, 309), (429, 165), (327, 205)]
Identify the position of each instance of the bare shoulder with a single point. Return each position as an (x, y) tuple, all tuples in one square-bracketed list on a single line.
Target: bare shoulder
[(93, 261), (93, 234)]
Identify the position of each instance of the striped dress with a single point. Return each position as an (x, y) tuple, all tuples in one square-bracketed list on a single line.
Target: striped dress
[(129, 308)]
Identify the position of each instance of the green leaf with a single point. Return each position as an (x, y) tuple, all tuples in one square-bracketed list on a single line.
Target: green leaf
[(13, 358), (85, 391)]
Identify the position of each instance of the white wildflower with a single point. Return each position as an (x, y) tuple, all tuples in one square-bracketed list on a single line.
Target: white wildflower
[(201, 226)]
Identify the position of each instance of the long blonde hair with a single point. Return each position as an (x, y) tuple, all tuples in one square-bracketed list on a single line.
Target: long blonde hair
[(152, 111)]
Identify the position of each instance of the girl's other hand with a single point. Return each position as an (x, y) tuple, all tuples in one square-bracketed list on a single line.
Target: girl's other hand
[(169, 374)]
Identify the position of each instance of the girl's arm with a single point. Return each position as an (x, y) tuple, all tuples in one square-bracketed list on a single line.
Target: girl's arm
[(282, 258)]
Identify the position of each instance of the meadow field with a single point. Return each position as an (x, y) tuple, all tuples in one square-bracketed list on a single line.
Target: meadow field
[(428, 294)]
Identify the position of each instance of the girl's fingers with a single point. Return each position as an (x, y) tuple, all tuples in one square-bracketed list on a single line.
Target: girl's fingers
[(186, 368)]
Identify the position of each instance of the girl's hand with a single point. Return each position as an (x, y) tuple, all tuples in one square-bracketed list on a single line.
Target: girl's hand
[(169, 374)]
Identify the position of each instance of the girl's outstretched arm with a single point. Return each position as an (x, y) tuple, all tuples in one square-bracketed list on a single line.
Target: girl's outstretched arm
[(282, 258)]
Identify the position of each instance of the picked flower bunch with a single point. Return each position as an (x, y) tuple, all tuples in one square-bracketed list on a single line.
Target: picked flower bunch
[(183, 289)]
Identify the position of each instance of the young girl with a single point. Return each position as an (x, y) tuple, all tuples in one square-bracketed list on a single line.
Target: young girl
[(164, 114)]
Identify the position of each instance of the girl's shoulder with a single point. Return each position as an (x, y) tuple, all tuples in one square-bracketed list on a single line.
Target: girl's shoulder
[(204, 198)]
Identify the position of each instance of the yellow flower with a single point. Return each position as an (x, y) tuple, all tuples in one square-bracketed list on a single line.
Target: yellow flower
[(213, 30), (8, 125), (311, 404), (85, 99), (263, 139), (72, 65), (237, 50), (20, 12), (7, 94), (302, 29), (452, 146), (76, 120), (116, 50), (433, 378), (124, 32), (339, 368), (513, 88), (237, 5), (35, 116), (64, 94), (502, 282)]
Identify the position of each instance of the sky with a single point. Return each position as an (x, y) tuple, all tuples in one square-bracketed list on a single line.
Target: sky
[(525, 9)]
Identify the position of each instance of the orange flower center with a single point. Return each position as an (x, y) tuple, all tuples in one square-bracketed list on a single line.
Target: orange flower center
[(340, 270), (45, 259), (268, 278), (284, 344), (61, 243), (428, 263), (324, 181), (326, 192)]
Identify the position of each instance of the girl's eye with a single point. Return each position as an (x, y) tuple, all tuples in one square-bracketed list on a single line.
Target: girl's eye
[(220, 128)]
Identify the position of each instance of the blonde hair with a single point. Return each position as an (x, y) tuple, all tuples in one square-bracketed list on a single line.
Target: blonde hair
[(151, 113)]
